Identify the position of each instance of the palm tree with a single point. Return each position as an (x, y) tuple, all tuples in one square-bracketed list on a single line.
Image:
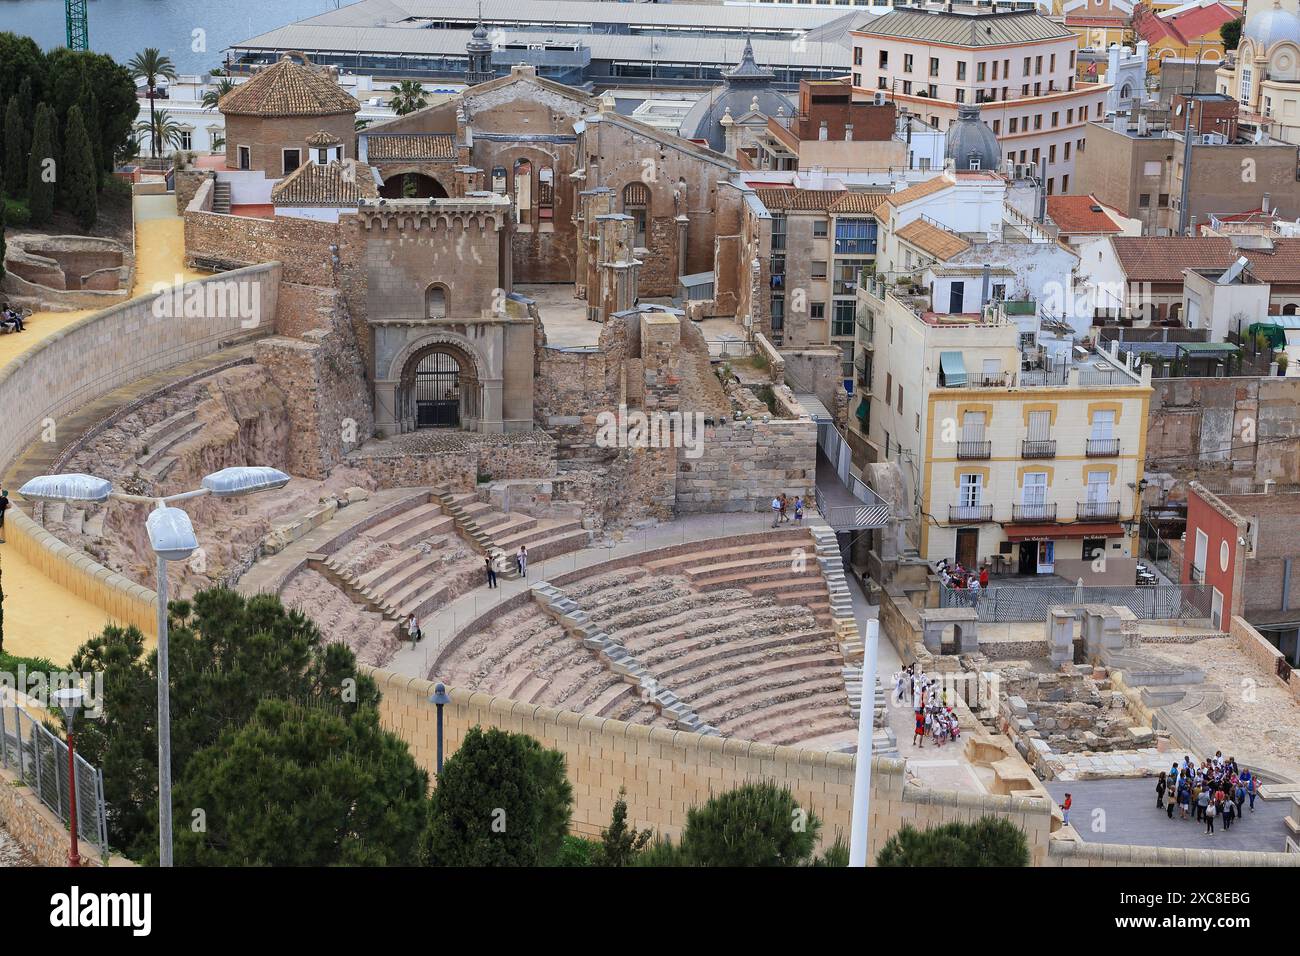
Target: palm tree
[(408, 96), (151, 66), (161, 129), (213, 96)]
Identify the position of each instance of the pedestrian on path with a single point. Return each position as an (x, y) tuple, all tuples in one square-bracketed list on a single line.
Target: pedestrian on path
[(4, 506), (1160, 791), (1209, 818), (776, 512), (1065, 809), (798, 510), (521, 559), (413, 628), (918, 738), (491, 573)]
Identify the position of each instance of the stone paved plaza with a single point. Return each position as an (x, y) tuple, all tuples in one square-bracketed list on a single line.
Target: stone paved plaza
[(1131, 818)]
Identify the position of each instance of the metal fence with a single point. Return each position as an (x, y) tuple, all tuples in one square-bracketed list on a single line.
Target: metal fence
[(41, 760), (1015, 604)]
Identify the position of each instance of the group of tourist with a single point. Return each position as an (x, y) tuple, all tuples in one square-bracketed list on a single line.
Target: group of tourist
[(11, 320), (955, 576), (1216, 789), (933, 706), (782, 505)]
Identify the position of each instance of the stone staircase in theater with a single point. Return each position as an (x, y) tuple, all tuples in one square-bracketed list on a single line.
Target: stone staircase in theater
[(762, 666), (529, 656), (427, 555)]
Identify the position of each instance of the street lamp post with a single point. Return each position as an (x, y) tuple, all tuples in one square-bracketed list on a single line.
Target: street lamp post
[(862, 769), (171, 535), (440, 699), (69, 700)]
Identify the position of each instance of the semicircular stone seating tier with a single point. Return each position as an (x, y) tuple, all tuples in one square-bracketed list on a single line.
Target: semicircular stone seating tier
[(735, 640)]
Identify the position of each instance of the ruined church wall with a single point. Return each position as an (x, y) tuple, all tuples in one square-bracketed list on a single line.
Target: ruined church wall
[(744, 465)]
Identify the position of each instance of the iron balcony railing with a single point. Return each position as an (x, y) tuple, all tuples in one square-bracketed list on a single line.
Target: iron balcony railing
[(968, 513), (1043, 512), (1098, 511), (1040, 448), (974, 449), (1102, 447)]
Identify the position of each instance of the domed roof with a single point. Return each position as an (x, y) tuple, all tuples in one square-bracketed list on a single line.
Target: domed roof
[(1272, 25), (288, 89), (745, 88), (970, 143)]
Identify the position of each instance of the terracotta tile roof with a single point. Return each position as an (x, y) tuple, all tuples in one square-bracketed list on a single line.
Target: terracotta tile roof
[(1163, 258), (288, 89), (1080, 215), (322, 138), (851, 201), (935, 240), (1187, 26), (828, 200), (919, 191), (334, 184), (391, 147), (1279, 265)]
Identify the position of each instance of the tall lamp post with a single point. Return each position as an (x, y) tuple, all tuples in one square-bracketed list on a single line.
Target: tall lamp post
[(439, 700), (862, 768), (69, 700), (171, 535)]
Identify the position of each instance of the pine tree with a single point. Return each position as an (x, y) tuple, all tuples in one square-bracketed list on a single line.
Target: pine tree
[(89, 104), (619, 843), (80, 177), (27, 107), (15, 151), (42, 169)]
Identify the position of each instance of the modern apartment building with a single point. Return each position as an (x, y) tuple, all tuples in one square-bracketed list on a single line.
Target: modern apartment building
[(1033, 470), (1018, 66)]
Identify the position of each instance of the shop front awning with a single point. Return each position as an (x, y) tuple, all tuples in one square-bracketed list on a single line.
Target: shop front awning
[(1035, 532), (953, 368)]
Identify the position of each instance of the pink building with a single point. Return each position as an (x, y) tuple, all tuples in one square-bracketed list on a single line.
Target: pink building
[(1018, 66)]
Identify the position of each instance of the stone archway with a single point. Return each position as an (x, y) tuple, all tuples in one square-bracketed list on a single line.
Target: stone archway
[(414, 389), (410, 184), (439, 387)]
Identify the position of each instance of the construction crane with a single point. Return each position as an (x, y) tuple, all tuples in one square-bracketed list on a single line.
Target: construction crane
[(78, 26)]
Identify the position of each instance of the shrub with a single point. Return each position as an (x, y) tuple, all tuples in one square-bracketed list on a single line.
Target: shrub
[(987, 842), (758, 824)]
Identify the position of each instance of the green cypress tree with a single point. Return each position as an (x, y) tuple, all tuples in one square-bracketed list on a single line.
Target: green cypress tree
[(43, 172), (15, 151), (27, 107), (80, 177), (89, 104)]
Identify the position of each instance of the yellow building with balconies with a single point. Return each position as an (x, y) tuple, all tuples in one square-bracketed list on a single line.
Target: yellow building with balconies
[(1033, 470)]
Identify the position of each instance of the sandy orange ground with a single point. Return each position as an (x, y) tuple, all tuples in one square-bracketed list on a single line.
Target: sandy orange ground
[(41, 618)]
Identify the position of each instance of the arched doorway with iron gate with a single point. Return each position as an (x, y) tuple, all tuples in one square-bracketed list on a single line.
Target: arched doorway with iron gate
[(437, 391), (440, 388)]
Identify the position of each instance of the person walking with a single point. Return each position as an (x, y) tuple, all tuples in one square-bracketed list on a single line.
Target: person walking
[(491, 573), (783, 517), (521, 559), (984, 576), (1161, 785), (1228, 812), (4, 506), (798, 510), (776, 512), (1209, 817), (918, 737), (413, 629), (1065, 809), (1248, 779)]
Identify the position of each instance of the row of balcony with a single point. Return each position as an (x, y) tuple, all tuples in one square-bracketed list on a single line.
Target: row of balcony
[(1038, 513), (1095, 448)]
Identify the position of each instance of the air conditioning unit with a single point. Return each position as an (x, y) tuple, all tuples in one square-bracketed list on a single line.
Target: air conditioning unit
[(878, 98)]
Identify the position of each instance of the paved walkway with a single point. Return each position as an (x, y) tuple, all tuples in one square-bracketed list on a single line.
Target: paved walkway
[(1130, 817), (41, 617), (452, 618)]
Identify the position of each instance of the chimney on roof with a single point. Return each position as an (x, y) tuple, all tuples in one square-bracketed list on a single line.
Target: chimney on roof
[(1264, 204)]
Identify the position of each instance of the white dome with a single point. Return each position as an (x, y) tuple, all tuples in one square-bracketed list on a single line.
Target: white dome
[(1272, 25)]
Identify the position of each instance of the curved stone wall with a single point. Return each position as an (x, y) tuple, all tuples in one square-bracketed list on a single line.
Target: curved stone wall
[(91, 358)]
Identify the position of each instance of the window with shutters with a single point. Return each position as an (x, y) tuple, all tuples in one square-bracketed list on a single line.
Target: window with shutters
[(636, 203)]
